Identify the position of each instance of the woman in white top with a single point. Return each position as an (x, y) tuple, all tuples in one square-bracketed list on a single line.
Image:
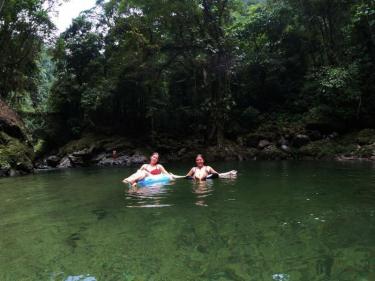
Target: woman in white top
[(202, 172)]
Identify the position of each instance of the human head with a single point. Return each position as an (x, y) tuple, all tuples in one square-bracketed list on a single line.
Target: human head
[(154, 158), (199, 160)]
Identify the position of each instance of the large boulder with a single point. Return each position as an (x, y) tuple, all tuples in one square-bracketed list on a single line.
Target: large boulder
[(253, 139), (271, 152), (263, 144), (65, 163), (53, 161), (77, 161), (11, 123), (16, 153)]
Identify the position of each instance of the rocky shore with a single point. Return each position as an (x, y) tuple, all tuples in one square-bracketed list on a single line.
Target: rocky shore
[(93, 150), (269, 142)]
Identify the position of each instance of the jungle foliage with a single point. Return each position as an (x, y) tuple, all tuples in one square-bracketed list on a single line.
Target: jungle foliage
[(213, 68)]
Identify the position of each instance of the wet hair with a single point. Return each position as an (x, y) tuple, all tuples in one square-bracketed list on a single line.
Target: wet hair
[(199, 155)]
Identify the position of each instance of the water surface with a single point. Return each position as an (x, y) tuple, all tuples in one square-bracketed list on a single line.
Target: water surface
[(283, 221)]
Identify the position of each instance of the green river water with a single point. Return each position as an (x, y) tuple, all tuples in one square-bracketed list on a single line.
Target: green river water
[(278, 221)]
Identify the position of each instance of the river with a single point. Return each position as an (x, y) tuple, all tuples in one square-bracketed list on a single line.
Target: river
[(278, 221)]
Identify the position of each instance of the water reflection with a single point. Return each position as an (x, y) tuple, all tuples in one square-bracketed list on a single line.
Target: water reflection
[(81, 278), (148, 197), (202, 189), (80, 224), (280, 277)]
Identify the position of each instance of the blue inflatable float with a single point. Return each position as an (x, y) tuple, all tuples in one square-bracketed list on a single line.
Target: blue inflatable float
[(152, 180)]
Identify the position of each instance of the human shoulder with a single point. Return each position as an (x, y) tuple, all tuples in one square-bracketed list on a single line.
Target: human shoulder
[(209, 169)]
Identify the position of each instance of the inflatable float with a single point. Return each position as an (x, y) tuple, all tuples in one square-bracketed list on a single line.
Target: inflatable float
[(152, 180)]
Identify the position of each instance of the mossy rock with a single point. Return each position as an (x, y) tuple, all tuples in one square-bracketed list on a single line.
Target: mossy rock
[(96, 143), (366, 136), (366, 151), (15, 154), (324, 149), (271, 152)]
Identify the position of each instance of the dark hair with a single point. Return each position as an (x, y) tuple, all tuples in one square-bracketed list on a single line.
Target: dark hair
[(155, 153), (199, 155)]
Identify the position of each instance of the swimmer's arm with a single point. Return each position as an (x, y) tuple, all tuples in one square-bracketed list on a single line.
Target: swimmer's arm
[(144, 168), (164, 171), (191, 173), (210, 170), (230, 174)]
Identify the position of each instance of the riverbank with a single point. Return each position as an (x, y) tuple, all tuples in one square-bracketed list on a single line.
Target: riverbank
[(105, 151), (265, 143)]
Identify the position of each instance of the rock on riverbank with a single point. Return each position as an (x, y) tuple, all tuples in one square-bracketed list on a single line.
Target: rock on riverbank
[(312, 145), (16, 153), (93, 150), (276, 143)]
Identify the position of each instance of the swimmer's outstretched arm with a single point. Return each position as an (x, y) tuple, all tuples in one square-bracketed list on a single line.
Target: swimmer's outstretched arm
[(190, 174), (230, 174), (177, 176), (164, 171)]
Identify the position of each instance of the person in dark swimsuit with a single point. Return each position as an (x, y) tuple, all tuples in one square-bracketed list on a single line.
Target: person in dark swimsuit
[(153, 168), (202, 172)]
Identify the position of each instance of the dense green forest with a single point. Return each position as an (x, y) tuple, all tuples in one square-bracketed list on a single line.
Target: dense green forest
[(212, 70)]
